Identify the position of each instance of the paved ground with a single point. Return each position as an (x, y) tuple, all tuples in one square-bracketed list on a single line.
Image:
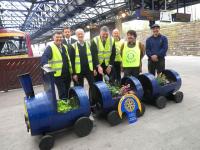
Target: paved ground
[(177, 127)]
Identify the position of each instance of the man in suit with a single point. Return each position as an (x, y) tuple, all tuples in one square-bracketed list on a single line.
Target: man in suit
[(68, 40)]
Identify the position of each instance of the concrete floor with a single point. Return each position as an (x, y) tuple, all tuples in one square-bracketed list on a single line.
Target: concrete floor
[(177, 127)]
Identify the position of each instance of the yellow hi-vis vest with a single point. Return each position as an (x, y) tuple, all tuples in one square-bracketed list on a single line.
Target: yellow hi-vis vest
[(77, 58), (118, 45), (56, 62), (131, 56), (104, 53)]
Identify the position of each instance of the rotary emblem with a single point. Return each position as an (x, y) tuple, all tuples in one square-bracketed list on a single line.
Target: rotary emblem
[(129, 105)]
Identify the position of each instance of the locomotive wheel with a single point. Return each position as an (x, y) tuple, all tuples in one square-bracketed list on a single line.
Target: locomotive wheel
[(46, 142), (83, 126), (138, 113), (160, 102), (178, 97), (113, 118)]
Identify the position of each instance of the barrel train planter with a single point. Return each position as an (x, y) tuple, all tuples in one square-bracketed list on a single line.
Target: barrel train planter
[(106, 98), (41, 110), (158, 90)]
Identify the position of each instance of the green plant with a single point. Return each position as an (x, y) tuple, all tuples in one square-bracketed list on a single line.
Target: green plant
[(64, 106), (162, 79), (114, 89)]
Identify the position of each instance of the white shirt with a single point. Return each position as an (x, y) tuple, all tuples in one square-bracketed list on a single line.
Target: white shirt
[(82, 44), (68, 40)]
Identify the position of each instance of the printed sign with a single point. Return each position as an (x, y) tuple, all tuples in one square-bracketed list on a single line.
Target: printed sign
[(129, 104)]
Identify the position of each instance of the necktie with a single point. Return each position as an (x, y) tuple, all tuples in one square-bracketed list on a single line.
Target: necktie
[(68, 42)]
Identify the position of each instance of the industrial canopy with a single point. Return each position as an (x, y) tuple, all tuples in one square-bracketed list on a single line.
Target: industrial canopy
[(41, 17)]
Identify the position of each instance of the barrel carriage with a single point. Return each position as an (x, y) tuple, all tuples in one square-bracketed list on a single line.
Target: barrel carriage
[(106, 99), (41, 111), (157, 90)]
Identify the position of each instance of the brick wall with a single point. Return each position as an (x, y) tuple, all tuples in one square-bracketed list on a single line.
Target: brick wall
[(184, 38)]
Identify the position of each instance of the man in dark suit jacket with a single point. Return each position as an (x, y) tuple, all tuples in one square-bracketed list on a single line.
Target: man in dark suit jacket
[(68, 40), (67, 36)]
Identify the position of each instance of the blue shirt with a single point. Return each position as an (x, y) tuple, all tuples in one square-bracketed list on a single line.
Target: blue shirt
[(157, 46)]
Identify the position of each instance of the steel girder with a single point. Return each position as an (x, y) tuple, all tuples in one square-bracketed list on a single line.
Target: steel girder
[(42, 17)]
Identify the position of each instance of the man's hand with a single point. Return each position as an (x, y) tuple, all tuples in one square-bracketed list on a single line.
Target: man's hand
[(95, 73), (108, 69), (154, 58), (100, 70), (75, 78)]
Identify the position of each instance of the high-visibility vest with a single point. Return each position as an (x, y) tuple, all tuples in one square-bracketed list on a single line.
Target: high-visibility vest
[(104, 53), (77, 58), (131, 56), (56, 61), (118, 45)]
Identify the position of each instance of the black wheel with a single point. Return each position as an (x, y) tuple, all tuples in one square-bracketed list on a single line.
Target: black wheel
[(138, 113), (160, 102), (83, 126), (170, 96), (113, 118), (46, 142), (178, 97)]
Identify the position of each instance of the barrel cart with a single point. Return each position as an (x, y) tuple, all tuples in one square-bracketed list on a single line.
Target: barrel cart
[(42, 116), (106, 99), (158, 90)]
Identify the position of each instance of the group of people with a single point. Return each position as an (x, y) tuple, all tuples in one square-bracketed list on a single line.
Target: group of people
[(106, 55)]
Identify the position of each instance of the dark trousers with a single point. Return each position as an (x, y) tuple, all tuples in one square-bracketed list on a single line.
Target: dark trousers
[(131, 71), (88, 75), (158, 66), (63, 85), (117, 71), (99, 77)]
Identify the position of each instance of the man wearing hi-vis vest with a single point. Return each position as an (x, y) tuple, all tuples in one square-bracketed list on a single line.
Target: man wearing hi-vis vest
[(57, 58), (82, 60), (118, 58), (132, 52), (104, 49)]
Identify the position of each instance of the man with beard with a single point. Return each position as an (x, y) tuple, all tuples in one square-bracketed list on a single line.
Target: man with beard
[(132, 52)]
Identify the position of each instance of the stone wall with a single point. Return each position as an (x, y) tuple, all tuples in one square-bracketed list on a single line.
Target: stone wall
[(184, 38)]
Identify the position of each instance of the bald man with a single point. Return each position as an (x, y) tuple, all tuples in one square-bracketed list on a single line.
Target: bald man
[(118, 58)]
